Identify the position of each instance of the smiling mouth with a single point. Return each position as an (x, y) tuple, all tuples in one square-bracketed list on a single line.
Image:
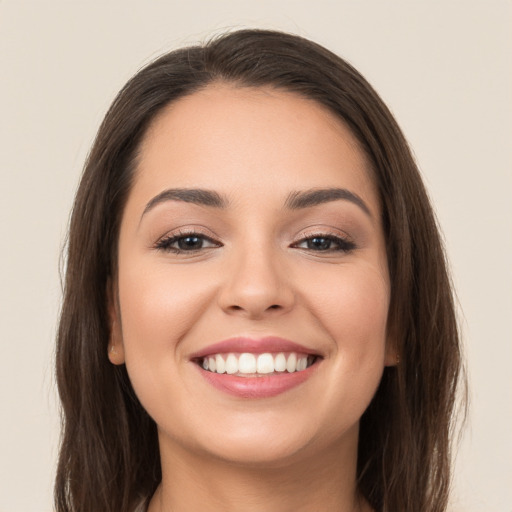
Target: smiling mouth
[(247, 364)]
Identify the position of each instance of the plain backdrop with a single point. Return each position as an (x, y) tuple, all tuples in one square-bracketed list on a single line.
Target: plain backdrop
[(443, 67)]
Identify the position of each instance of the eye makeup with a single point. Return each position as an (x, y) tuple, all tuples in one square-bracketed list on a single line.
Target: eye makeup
[(186, 241), (193, 241)]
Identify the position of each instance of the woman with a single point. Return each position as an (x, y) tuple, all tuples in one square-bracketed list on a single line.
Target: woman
[(257, 313)]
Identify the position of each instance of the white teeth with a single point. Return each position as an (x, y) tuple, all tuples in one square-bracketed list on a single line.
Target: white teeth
[(231, 364), (302, 364), (280, 363), (247, 364), (265, 363), (221, 365), (291, 364)]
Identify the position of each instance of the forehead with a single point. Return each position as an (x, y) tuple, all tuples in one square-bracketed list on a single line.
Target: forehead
[(251, 138)]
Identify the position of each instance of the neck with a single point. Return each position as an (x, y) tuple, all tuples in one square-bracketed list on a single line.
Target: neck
[(195, 481)]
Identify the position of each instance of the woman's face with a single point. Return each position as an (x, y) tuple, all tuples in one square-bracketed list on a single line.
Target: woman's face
[(253, 289)]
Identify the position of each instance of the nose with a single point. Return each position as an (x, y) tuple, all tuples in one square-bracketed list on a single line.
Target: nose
[(256, 285)]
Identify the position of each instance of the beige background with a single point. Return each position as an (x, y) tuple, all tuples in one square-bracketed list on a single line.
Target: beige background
[(444, 68)]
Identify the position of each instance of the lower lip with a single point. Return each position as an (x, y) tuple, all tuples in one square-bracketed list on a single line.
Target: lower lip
[(257, 387)]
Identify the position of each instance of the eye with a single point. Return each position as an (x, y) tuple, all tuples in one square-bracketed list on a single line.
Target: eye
[(325, 243), (186, 242)]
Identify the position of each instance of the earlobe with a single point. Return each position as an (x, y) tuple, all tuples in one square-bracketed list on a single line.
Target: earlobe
[(392, 352), (393, 347), (392, 357), (115, 344), (114, 356)]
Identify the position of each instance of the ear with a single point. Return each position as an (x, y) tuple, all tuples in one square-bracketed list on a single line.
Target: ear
[(392, 351), (391, 356), (115, 342)]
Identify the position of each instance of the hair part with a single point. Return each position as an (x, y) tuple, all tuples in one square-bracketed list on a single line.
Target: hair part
[(109, 458)]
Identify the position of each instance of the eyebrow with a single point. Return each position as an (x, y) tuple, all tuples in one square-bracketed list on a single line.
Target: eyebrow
[(295, 201), (308, 198), (188, 195)]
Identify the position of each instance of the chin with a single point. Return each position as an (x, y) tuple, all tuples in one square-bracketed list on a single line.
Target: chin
[(273, 444), (258, 453)]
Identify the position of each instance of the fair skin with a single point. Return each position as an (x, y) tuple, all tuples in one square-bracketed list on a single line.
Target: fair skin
[(253, 267)]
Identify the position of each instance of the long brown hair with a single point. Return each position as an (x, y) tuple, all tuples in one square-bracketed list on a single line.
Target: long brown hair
[(109, 459)]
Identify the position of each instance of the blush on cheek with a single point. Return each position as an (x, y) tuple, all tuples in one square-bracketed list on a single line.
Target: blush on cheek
[(160, 304), (357, 301)]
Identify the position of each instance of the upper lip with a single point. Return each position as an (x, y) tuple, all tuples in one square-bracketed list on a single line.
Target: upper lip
[(271, 344)]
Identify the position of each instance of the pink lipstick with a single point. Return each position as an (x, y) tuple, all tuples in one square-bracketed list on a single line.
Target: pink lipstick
[(256, 368)]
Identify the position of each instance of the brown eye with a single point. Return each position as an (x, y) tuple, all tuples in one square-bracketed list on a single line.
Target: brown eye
[(190, 243), (324, 243), (319, 243), (186, 243)]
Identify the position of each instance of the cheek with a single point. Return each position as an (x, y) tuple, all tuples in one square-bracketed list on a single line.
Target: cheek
[(353, 305), (158, 309), (159, 306), (352, 308)]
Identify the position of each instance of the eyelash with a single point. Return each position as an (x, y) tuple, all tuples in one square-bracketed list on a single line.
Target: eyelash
[(344, 244), (166, 244)]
